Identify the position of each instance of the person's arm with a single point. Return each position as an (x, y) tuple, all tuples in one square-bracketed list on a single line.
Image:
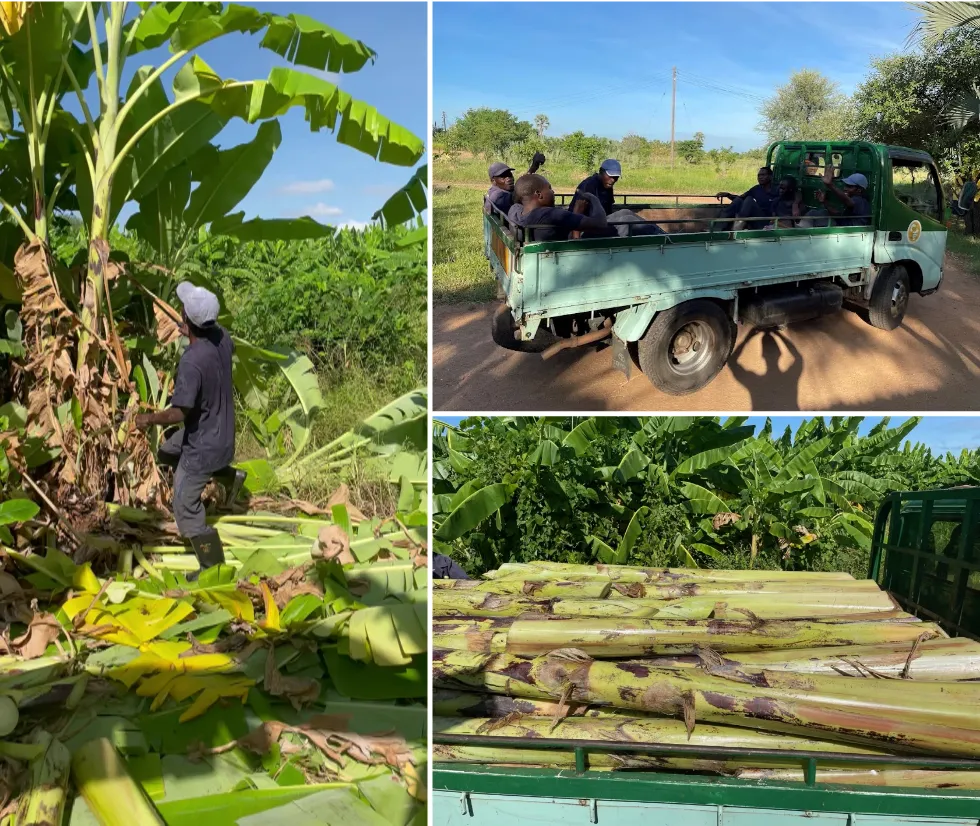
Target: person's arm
[(821, 197), (828, 179), (536, 162), (597, 219), (729, 195), (172, 415), (798, 204)]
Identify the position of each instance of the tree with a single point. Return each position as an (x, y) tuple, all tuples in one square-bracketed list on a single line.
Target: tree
[(541, 123), (808, 107), (488, 132), (634, 150), (692, 150), (146, 147), (584, 149)]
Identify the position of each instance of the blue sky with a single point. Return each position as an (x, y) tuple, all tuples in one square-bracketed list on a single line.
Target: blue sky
[(605, 68), (311, 174), (941, 433)]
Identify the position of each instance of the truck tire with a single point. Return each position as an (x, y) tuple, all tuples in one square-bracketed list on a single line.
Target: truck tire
[(502, 332), (889, 299), (686, 346)]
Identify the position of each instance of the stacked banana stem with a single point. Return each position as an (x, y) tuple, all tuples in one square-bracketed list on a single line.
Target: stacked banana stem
[(761, 660)]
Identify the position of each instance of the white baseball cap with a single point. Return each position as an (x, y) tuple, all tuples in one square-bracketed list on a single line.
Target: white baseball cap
[(200, 305)]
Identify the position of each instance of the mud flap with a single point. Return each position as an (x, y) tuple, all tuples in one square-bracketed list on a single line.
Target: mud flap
[(622, 360)]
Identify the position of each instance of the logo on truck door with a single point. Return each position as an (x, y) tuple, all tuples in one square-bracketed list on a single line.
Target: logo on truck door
[(915, 230)]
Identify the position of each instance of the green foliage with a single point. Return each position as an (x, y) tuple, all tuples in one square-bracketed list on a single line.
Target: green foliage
[(673, 490), (487, 132), (808, 107), (904, 98), (692, 150), (584, 150)]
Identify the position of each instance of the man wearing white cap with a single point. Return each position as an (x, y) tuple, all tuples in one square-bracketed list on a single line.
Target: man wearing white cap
[(857, 207), (601, 185), (203, 404)]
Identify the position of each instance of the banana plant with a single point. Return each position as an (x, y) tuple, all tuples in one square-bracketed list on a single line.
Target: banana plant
[(936, 20), (143, 145)]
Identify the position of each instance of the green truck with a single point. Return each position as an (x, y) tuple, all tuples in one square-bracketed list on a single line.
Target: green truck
[(926, 553), (670, 304)]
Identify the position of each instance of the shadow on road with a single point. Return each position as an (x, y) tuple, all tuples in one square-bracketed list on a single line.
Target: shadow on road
[(771, 387)]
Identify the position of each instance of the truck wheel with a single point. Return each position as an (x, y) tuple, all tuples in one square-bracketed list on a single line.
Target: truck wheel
[(889, 299), (502, 332), (686, 346)]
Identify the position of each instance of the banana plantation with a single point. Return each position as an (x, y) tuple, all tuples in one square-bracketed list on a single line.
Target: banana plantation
[(290, 681), (674, 491)]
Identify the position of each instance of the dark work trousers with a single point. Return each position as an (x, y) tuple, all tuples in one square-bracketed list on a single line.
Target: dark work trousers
[(189, 484)]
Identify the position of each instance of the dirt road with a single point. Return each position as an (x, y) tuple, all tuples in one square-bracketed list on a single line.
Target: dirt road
[(931, 363)]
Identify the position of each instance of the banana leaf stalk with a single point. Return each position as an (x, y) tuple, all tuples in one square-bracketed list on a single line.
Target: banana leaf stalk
[(894, 778), (44, 804), (479, 604), (449, 703), (625, 730), (638, 587), (943, 659), (611, 638), (923, 721), (533, 588), (543, 569), (110, 792)]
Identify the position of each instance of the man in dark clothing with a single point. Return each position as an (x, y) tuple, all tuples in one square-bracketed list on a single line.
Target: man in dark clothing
[(786, 206), (535, 205), (443, 567), (601, 185), (856, 210), (755, 203), (204, 405), (501, 189)]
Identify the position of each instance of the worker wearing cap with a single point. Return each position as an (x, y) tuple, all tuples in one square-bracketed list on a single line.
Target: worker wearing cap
[(203, 404), (601, 185), (443, 567), (501, 192), (857, 207)]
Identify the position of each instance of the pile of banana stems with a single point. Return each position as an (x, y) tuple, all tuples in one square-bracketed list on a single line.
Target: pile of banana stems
[(762, 660)]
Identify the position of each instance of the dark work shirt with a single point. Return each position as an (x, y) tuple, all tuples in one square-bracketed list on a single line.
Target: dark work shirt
[(559, 222), (764, 197), (857, 215), (203, 389), (443, 567), (782, 207), (594, 185), (500, 198)]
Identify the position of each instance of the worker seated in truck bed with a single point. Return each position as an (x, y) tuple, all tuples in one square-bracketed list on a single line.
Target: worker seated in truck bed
[(755, 203), (787, 205), (855, 208), (501, 189), (534, 206)]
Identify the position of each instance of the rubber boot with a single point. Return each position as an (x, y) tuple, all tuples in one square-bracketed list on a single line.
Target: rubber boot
[(208, 550), (738, 226), (232, 479)]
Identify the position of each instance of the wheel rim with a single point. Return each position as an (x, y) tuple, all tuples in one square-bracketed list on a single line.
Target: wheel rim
[(900, 300), (691, 348)]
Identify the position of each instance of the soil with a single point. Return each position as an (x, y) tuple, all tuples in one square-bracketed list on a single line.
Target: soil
[(839, 362)]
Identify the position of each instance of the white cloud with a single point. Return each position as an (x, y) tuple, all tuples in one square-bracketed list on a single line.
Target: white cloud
[(324, 210), (307, 187), (354, 225)]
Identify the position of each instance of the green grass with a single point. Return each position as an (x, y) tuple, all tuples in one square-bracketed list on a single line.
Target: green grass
[(460, 271), (966, 248)]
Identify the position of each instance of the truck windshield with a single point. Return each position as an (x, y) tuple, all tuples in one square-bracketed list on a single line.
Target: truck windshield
[(916, 186)]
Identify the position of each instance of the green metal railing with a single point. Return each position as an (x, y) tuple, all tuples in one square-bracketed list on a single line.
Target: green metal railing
[(931, 584)]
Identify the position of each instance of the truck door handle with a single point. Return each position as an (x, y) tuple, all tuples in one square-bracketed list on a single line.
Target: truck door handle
[(894, 236)]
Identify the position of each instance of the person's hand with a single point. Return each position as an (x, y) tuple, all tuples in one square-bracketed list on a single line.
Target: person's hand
[(721, 195), (143, 420), (828, 175), (799, 196), (538, 159)]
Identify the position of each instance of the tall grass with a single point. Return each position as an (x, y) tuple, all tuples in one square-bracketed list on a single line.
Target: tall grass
[(684, 178)]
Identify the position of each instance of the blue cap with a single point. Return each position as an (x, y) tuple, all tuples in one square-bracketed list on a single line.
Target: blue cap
[(857, 179), (497, 169), (612, 168)]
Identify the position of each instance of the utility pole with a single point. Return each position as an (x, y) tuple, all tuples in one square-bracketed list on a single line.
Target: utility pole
[(673, 107), (443, 121)]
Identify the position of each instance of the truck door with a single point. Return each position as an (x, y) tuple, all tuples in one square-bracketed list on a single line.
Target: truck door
[(911, 226)]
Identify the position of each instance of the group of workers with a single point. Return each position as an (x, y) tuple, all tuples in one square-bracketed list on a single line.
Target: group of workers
[(530, 202)]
